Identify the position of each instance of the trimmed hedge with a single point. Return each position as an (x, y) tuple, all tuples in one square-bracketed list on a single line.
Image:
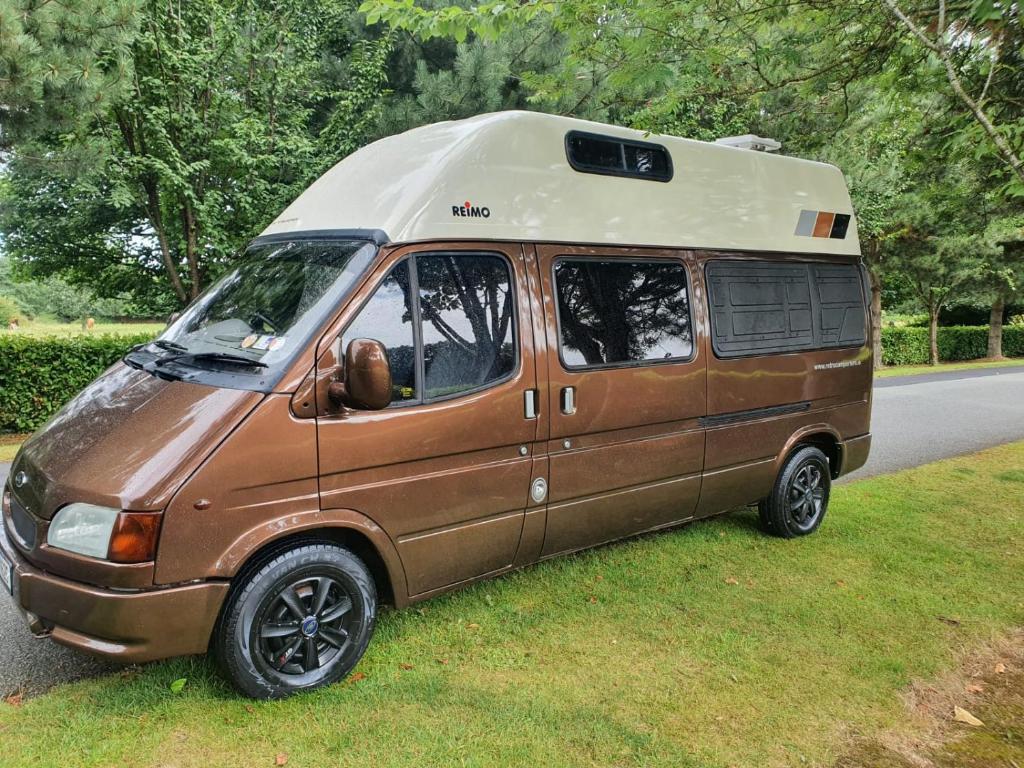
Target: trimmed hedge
[(38, 375), (909, 346)]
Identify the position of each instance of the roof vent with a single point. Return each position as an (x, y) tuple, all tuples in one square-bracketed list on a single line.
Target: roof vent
[(750, 141)]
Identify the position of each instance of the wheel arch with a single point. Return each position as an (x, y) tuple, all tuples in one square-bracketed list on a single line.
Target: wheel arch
[(345, 528), (821, 436)]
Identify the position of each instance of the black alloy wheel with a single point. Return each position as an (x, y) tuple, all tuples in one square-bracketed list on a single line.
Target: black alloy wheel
[(298, 622), (799, 499)]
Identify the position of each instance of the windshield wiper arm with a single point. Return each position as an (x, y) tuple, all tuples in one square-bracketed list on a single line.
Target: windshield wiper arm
[(222, 357), (173, 346)]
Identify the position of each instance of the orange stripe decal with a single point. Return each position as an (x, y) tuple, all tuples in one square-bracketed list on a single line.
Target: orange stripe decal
[(823, 226)]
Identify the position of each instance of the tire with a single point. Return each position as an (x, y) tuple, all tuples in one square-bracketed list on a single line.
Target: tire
[(300, 621), (799, 499)]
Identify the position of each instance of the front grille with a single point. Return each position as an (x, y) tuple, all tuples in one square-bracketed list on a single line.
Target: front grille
[(23, 524)]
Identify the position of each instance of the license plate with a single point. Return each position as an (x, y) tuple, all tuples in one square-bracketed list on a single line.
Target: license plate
[(7, 574)]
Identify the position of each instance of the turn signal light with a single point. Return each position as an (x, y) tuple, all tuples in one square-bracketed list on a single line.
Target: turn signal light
[(133, 539)]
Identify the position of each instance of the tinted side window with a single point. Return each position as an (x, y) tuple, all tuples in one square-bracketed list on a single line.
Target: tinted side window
[(466, 306), (387, 317), (763, 308), (619, 312)]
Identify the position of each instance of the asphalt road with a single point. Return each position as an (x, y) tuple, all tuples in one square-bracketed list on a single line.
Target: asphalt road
[(915, 420)]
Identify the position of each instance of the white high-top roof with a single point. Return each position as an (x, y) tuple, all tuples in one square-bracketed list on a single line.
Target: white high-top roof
[(514, 164)]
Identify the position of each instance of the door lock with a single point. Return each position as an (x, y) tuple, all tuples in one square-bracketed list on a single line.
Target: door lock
[(539, 490)]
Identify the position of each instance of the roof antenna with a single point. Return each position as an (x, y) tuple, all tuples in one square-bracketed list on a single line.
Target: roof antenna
[(750, 141)]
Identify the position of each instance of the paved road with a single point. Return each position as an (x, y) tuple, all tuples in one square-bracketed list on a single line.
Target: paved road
[(915, 420), (918, 419)]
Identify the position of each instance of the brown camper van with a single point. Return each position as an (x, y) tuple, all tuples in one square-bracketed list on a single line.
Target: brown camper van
[(464, 349)]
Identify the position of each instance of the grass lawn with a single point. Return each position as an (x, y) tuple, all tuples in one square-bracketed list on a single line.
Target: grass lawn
[(970, 365), (712, 645), (9, 445), (53, 327)]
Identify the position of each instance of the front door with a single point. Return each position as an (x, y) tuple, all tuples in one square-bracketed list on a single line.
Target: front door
[(627, 388), (446, 469)]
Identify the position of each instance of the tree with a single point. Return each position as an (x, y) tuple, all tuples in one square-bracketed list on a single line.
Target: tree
[(969, 41), (942, 248), (231, 109), (872, 151), (61, 61), (1001, 277)]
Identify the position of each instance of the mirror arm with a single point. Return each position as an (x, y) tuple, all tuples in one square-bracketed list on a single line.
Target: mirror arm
[(337, 392)]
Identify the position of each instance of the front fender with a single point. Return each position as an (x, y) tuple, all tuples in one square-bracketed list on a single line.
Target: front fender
[(269, 531)]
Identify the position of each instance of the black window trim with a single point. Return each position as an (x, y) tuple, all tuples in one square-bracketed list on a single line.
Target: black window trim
[(629, 363), (419, 362), (601, 171), (862, 274)]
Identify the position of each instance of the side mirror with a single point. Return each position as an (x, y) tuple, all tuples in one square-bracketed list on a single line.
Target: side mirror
[(367, 384)]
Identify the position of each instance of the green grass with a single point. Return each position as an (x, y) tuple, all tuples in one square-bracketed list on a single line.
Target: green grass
[(52, 327), (9, 445), (970, 365), (712, 645)]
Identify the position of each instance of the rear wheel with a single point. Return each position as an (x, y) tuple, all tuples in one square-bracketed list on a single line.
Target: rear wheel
[(301, 621), (799, 499)]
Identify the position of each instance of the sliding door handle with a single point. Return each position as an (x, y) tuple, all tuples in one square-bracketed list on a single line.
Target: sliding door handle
[(568, 400), (530, 406)]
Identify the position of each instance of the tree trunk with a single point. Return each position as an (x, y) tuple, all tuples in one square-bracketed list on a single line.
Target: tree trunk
[(876, 316), (933, 334), (156, 220), (995, 327)]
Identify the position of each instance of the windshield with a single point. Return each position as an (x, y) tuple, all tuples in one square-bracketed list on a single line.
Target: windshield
[(265, 309)]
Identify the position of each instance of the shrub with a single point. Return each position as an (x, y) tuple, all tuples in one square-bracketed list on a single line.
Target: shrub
[(9, 310), (909, 346), (39, 375)]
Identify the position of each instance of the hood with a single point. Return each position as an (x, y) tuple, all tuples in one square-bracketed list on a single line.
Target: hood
[(128, 440)]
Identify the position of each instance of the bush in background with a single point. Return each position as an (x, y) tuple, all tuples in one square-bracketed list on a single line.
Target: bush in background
[(39, 375), (9, 310), (909, 345)]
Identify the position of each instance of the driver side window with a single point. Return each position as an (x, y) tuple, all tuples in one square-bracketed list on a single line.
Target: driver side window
[(458, 335)]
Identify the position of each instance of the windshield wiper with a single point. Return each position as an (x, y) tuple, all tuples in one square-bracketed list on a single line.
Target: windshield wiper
[(221, 357), (173, 346)]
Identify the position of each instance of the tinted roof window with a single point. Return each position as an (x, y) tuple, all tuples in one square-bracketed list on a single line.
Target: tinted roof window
[(591, 153)]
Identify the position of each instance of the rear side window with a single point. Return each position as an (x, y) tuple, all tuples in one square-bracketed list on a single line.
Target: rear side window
[(612, 156), (760, 308), (618, 312)]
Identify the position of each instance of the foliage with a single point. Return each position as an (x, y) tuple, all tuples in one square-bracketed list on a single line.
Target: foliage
[(233, 107), (57, 297), (61, 61), (910, 345), (39, 375), (9, 310)]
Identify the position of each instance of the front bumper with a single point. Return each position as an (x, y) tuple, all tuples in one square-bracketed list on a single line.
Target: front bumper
[(122, 625)]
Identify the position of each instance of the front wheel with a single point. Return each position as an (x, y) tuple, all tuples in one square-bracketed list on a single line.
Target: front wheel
[(301, 621), (799, 499)]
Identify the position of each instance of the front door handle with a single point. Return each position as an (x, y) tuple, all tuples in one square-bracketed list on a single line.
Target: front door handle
[(568, 400)]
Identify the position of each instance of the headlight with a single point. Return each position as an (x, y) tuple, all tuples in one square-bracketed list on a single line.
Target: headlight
[(83, 528), (106, 533)]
